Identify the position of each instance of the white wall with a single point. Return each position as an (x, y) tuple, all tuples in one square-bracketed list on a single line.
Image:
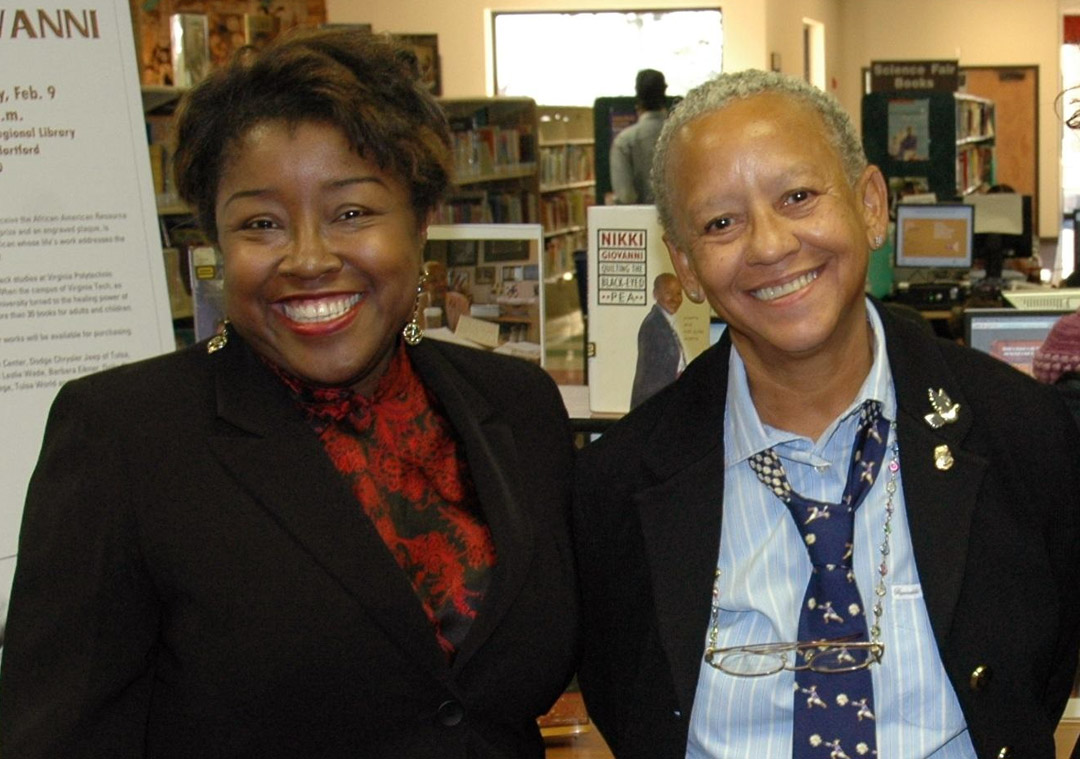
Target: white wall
[(976, 32), (785, 36), (463, 29)]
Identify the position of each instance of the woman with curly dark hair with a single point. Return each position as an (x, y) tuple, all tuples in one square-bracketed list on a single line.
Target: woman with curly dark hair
[(316, 534)]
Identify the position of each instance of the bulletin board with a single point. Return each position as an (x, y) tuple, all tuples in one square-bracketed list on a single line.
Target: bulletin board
[(226, 24)]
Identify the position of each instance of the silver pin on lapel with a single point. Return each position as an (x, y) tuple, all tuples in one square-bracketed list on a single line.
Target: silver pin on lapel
[(944, 410)]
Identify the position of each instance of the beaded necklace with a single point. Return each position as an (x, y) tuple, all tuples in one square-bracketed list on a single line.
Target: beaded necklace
[(883, 550)]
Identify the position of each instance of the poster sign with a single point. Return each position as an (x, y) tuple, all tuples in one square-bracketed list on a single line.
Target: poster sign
[(621, 267), (640, 338), (918, 76), (82, 281)]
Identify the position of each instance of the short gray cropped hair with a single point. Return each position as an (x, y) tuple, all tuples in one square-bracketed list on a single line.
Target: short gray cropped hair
[(725, 88)]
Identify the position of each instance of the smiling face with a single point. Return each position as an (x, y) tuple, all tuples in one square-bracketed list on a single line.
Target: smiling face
[(770, 230), (322, 253)]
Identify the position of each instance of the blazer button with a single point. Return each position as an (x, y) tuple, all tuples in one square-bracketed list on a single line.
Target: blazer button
[(450, 714), (981, 677), (1005, 753)]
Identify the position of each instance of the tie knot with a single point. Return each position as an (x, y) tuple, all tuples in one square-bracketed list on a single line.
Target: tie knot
[(827, 528)]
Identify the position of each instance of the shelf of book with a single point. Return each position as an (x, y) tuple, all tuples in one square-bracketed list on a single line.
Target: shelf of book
[(567, 181), (565, 209), (175, 218), (495, 161), (564, 165), (180, 48), (931, 142), (974, 118)]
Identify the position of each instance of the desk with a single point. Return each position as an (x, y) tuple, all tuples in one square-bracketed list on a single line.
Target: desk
[(577, 740), (588, 745)]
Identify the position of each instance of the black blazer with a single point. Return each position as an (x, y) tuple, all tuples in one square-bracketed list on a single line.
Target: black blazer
[(996, 541), (195, 580)]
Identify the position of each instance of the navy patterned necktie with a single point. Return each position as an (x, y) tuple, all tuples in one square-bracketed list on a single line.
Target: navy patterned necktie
[(834, 711)]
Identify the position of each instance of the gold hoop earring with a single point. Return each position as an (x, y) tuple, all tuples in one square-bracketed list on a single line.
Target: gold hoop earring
[(220, 340), (413, 333)]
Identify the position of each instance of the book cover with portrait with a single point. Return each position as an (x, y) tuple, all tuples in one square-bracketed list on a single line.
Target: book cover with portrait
[(632, 303)]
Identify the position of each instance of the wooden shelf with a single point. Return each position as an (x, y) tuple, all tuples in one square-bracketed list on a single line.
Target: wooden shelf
[(564, 231), (568, 186), (159, 98), (173, 208), (562, 143), (521, 171)]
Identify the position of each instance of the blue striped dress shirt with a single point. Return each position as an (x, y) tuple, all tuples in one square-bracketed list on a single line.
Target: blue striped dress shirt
[(764, 569)]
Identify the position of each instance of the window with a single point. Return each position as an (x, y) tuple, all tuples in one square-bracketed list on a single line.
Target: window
[(1070, 146), (572, 58)]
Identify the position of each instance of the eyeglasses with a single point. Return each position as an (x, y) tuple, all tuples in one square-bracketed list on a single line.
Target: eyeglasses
[(833, 655)]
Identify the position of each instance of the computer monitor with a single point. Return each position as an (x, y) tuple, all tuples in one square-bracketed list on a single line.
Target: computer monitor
[(1009, 334), (934, 236), (1003, 228), (1044, 298)]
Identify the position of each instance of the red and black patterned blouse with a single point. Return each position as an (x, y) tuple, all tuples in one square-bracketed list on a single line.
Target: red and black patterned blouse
[(398, 453)]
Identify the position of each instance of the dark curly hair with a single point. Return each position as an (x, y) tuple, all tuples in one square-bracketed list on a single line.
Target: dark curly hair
[(360, 83)]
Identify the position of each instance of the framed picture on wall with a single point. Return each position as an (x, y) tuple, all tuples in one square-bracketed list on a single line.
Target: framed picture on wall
[(507, 313), (461, 280), (426, 49), (500, 251), (461, 253)]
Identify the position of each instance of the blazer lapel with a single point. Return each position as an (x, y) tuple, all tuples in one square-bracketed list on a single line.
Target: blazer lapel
[(493, 462), (939, 497), (282, 465), (681, 514)]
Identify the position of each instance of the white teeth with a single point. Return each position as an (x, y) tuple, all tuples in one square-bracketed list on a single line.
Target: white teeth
[(310, 311), (772, 293)]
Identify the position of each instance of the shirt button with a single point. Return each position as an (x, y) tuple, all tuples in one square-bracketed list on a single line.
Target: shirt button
[(980, 678), (1005, 753), (821, 468), (450, 714)]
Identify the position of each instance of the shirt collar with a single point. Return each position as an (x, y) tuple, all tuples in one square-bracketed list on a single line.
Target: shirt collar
[(745, 434)]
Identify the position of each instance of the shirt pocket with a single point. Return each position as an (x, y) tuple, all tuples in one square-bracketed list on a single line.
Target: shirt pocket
[(915, 672)]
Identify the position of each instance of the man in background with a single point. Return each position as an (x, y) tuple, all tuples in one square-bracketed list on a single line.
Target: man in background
[(660, 358), (632, 150)]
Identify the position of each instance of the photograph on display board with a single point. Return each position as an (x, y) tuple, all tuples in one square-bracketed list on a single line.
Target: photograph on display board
[(642, 329), (909, 129), (231, 24), (909, 190), (661, 356), (426, 49), (483, 287)]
